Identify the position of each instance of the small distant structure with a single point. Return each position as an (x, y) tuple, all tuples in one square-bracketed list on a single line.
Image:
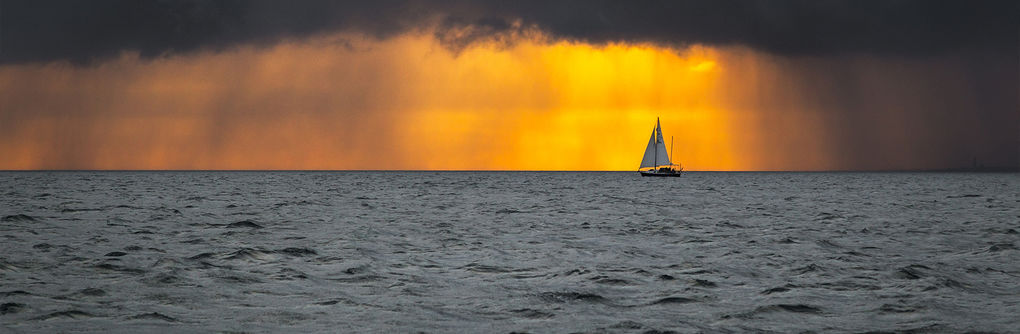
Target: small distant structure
[(977, 166)]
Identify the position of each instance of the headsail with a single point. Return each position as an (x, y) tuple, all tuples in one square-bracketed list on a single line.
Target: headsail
[(649, 159)]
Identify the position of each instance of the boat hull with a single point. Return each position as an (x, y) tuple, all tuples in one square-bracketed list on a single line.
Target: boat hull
[(660, 174)]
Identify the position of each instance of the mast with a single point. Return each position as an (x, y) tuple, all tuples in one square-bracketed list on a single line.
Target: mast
[(671, 150)]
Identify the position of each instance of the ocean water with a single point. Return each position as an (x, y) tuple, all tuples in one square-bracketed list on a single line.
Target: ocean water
[(500, 252)]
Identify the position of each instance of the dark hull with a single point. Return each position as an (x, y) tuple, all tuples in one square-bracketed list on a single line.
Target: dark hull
[(661, 174)]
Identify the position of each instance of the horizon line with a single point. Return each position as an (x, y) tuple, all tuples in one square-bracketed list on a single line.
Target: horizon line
[(1010, 169)]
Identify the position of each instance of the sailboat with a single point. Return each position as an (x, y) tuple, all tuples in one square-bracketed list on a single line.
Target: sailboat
[(656, 162)]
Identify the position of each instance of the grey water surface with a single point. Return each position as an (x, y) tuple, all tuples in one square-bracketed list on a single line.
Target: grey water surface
[(500, 252)]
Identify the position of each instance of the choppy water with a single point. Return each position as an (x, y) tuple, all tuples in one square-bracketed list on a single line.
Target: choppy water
[(508, 251)]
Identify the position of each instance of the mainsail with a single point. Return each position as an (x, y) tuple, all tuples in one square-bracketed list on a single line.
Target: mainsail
[(655, 154)]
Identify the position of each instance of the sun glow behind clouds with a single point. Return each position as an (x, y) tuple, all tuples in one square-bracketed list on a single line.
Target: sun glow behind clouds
[(401, 103), (704, 66), (566, 106)]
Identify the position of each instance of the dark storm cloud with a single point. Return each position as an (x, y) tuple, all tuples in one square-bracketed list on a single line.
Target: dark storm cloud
[(786, 27), (83, 31)]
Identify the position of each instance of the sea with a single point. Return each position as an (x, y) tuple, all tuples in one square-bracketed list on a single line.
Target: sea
[(509, 252)]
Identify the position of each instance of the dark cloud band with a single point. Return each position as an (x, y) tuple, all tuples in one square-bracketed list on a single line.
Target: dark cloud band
[(84, 31)]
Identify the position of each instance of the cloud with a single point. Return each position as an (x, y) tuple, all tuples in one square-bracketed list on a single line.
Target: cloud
[(783, 27), (83, 32)]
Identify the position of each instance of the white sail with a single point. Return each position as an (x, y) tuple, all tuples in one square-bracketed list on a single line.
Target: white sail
[(649, 159), (655, 154), (662, 155)]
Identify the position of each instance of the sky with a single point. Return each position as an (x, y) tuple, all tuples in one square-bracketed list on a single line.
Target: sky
[(508, 85)]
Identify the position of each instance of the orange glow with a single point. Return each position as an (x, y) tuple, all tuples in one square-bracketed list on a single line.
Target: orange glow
[(402, 103), (704, 66)]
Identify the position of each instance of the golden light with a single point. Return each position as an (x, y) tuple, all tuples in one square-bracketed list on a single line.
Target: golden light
[(704, 66), (401, 103)]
